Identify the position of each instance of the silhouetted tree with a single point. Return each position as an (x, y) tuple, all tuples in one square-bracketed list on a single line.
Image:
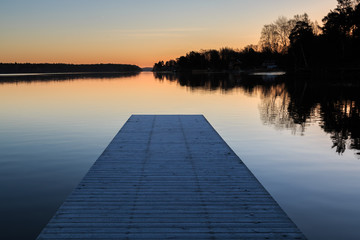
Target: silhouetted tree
[(301, 40), (213, 59), (284, 27), (340, 25), (228, 57), (158, 66)]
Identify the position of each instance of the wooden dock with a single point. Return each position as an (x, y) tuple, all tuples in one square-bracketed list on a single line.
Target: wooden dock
[(169, 177)]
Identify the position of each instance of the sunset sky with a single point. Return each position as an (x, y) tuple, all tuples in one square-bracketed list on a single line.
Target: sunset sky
[(138, 32)]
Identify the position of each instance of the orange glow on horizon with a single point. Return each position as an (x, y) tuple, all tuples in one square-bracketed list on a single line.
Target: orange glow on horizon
[(124, 33), (144, 56)]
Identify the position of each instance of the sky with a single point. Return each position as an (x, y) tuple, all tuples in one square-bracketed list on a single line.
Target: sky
[(139, 32)]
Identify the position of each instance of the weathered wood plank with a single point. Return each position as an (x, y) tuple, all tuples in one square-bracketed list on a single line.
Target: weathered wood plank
[(169, 177)]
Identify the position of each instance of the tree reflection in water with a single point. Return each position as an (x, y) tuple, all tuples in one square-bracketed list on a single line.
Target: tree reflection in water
[(291, 104), (341, 119), (275, 110)]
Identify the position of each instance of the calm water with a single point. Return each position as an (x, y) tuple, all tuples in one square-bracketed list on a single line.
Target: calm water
[(301, 141)]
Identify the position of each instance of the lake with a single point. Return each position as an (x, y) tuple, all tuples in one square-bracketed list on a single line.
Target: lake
[(301, 140)]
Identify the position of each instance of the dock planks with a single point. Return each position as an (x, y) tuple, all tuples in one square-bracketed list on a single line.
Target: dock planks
[(169, 177)]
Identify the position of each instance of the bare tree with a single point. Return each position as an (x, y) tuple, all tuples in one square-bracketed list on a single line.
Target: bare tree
[(284, 27), (275, 36), (269, 40)]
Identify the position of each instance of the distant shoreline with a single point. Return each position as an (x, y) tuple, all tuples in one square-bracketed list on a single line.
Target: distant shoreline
[(57, 73), (61, 68)]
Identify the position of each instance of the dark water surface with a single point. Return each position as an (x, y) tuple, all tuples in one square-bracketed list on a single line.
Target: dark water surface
[(301, 140)]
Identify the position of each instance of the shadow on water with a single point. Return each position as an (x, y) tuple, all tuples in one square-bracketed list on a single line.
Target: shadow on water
[(291, 103), (47, 77)]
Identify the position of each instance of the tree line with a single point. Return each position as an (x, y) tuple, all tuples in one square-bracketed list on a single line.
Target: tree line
[(223, 59), (296, 44), (61, 68)]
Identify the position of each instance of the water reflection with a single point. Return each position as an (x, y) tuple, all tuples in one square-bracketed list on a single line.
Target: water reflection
[(341, 120), (275, 109), (45, 77), (220, 81), (201, 81), (51, 133), (292, 104), (335, 107)]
